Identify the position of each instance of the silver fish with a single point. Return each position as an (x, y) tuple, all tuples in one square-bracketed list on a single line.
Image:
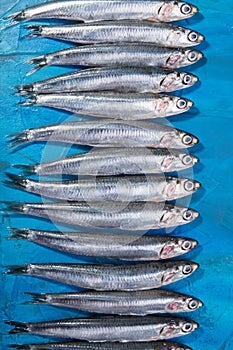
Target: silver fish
[(131, 106), (89, 11), (130, 54), (121, 79), (119, 328), (131, 247), (109, 133), (139, 303), (161, 34), (117, 188), (115, 161), (158, 345), (118, 215)]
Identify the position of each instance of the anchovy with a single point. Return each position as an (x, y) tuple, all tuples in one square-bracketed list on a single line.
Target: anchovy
[(113, 105), (122, 329), (131, 247), (139, 303), (89, 11), (109, 133), (158, 345), (130, 54), (120, 188), (111, 215), (115, 161), (161, 34), (105, 277), (121, 79)]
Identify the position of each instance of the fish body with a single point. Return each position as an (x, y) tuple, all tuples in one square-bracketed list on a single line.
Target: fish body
[(111, 277), (130, 54), (122, 329), (110, 215), (131, 247), (121, 79), (158, 345), (131, 106), (110, 133), (116, 161), (160, 34), (89, 11), (118, 188), (138, 303)]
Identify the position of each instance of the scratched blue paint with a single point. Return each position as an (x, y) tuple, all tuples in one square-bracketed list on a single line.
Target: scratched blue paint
[(211, 121)]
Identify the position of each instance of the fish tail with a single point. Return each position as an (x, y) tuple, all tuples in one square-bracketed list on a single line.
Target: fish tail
[(14, 207), (17, 139), (19, 327), (24, 89), (18, 233), (17, 270), (38, 63), (20, 346), (36, 298), (27, 169), (13, 19), (34, 31), (30, 101)]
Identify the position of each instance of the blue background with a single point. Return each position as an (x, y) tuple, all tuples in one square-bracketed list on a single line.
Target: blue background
[(210, 120)]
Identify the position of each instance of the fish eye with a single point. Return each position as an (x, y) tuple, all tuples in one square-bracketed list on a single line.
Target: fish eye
[(193, 304), (181, 103), (186, 9), (192, 56), (189, 185), (188, 215), (187, 139), (187, 79), (193, 36), (187, 269), (187, 327), (186, 245), (187, 159)]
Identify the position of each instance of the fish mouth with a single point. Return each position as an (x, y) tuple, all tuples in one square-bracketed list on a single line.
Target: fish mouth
[(195, 9), (190, 104), (201, 38)]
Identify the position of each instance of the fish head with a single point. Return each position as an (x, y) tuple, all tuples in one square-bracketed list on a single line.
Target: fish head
[(173, 215), (178, 187), (184, 160), (175, 11), (183, 304), (177, 327), (169, 105), (182, 58), (177, 270), (176, 80), (176, 246), (178, 139)]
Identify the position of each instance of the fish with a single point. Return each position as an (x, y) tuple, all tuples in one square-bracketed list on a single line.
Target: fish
[(115, 161), (112, 329), (111, 277), (139, 303), (117, 188), (158, 345), (108, 133), (89, 11), (121, 79), (130, 106), (130, 247), (109, 32), (130, 54), (112, 215)]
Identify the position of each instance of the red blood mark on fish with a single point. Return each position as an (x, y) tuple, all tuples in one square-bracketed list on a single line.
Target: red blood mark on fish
[(173, 306)]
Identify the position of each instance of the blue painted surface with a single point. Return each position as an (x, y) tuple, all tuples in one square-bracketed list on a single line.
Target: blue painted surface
[(212, 123)]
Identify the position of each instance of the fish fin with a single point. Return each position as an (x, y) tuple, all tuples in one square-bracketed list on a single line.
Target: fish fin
[(27, 169), (24, 89), (20, 346), (18, 233), (14, 207), (37, 298), (19, 327), (38, 63), (34, 31), (13, 19), (31, 101), (17, 139), (17, 270)]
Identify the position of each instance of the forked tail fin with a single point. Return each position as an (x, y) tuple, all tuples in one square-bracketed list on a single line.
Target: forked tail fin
[(36, 298), (27, 169), (19, 327), (38, 63)]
